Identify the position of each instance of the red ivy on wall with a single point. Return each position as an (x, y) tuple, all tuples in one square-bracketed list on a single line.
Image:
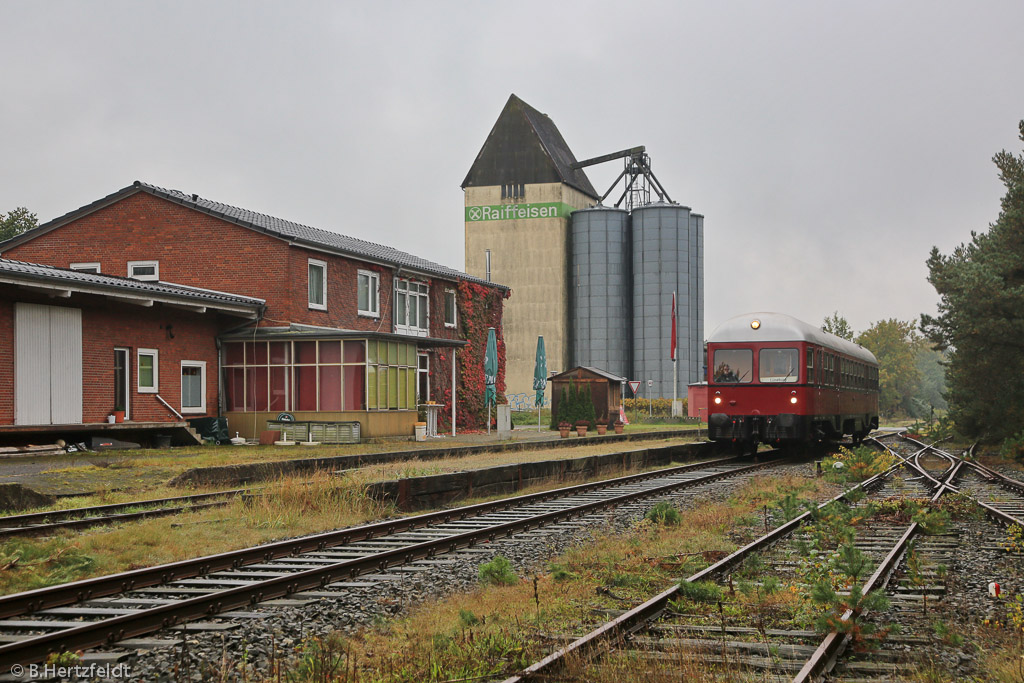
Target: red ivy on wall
[(479, 308)]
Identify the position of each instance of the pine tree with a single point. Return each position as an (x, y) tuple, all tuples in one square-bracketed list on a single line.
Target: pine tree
[(563, 409), (587, 411), (981, 316)]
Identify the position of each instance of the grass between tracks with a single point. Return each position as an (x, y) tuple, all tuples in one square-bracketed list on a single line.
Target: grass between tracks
[(499, 628), (117, 478), (287, 508)]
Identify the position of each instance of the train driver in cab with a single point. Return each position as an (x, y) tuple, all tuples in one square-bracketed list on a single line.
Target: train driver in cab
[(723, 373)]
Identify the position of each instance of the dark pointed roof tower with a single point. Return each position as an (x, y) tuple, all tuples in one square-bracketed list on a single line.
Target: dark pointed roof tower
[(524, 146)]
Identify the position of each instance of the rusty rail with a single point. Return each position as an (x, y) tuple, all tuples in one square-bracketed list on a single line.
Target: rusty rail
[(110, 630)]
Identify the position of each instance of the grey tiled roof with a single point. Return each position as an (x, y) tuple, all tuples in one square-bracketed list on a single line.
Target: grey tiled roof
[(278, 227), (315, 236), (52, 274)]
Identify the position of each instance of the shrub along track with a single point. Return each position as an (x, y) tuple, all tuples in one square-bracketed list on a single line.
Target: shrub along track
[(109, 609), (673, 634)]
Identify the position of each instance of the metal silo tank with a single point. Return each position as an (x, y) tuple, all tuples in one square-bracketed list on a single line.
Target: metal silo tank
[(666, 259), (599, 286)]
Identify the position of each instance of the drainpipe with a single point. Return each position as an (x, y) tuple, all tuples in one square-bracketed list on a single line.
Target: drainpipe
[(453, 390)]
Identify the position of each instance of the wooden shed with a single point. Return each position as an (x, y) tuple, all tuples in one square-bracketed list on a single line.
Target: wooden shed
[(605, 390)]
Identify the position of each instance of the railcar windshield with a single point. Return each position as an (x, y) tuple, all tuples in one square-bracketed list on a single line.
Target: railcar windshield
[(778, 365), (733, 366)]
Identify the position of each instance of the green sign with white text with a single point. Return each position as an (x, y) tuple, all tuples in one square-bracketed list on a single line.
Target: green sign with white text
[(509, 212)]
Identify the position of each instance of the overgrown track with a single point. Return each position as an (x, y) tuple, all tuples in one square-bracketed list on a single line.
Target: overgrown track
[(699, 642), (41, 523), (216, 585)]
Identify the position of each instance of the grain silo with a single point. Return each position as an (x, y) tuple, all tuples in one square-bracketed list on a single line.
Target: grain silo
[(600, 286), (595, 281), (666, 258)]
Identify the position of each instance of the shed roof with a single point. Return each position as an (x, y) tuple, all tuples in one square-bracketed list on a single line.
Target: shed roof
[(524, 146), (597, 371), (67, 280), (289, 231)]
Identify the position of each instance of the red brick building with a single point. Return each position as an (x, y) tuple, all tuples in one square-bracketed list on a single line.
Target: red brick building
[(76, 347), (346, 330)]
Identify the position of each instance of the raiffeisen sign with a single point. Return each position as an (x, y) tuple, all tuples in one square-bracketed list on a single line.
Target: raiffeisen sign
[(507, 212)]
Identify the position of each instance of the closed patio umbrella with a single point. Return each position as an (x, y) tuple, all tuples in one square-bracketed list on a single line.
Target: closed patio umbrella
[(540, 376), (490, 373)]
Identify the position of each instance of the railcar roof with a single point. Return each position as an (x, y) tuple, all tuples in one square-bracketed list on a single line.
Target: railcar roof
[(779, 327)]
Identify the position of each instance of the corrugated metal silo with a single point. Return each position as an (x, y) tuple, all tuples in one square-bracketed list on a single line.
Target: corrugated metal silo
[(600, 285), (667, 245)]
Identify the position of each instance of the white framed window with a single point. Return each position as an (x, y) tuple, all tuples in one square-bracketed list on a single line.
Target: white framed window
[(412, 307), (148, 371), (193, 386), (85, 267), (368, 293), (317, 284), (144, 270), (449, 308)]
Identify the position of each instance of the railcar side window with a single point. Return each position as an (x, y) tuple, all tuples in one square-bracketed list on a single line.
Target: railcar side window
[(734, 366), (779, 365)]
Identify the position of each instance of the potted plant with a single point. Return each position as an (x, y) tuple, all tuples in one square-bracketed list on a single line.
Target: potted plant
[(618, 426), (602, 427), (118, 413), (581, 427), (563, 429)]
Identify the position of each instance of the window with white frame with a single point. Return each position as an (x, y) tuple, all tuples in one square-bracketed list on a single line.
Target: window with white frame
[(144, 270), (85, 267), (368, 293), (449, 308), (412, 307), (148, 371), (318, 285), (193, 386)]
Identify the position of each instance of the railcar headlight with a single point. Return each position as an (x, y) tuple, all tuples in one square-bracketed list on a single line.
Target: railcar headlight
[(792, 399), (754, 324), (718, 400)]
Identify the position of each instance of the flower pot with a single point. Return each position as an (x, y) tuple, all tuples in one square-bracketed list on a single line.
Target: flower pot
[(581, 430), (601, 429), (618, 429), (111, 419), (118, 416), (564, 433)]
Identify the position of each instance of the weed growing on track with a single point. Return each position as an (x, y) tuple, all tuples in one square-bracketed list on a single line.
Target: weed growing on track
[(498, 572), (1014, 542), (663, 513), (850, 567), (857, 464), (498, 629)]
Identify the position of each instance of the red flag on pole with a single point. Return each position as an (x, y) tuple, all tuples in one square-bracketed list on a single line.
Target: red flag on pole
[(672, 355)]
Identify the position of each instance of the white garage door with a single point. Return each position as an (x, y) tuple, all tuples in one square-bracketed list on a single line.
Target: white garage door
[(47, 365)]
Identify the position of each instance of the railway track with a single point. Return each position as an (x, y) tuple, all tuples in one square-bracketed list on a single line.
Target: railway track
[(676, 634), (106, 610), (42, 523)]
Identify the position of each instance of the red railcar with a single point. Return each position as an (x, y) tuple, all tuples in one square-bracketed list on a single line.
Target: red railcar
[(775, 379)]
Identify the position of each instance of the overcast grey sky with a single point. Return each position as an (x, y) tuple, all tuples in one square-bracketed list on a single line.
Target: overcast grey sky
[(829, 145)]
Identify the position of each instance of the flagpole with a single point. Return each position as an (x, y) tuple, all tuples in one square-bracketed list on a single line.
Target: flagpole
[(675, 361)]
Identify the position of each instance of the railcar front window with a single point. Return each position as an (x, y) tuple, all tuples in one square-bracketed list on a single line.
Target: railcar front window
[(734, 366), (778, 365)]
